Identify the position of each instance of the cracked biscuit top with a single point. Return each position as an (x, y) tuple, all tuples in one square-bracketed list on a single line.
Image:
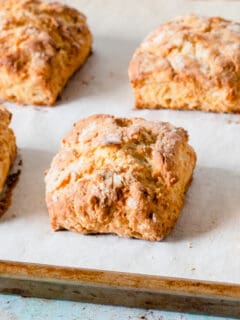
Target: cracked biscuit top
[(120, 175), (41, 45), (190, 62)]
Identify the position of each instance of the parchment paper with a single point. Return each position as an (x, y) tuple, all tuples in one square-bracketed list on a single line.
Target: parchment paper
[(206, 241)]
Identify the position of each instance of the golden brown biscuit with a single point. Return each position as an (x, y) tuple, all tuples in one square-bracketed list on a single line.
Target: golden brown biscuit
[(190, 62), (41, 46), (7, 145), (118, 175)]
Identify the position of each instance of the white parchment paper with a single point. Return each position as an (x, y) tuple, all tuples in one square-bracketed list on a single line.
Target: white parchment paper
[(206, 241)]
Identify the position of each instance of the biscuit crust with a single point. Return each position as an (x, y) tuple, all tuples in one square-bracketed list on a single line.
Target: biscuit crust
[(7, 145), (41, 46), (120, 175), (190, 62)]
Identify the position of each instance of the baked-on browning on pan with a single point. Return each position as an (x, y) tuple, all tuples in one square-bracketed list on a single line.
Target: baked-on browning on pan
[(141, 290)]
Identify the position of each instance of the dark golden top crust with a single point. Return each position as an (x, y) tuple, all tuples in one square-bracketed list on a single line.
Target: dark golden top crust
[(32, 32), (153, 143), (196, 43)]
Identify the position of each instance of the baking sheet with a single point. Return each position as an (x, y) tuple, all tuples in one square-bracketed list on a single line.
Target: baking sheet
[(206, 241)]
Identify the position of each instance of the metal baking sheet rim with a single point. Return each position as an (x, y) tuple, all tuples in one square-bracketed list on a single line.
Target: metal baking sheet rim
[(119, 288)]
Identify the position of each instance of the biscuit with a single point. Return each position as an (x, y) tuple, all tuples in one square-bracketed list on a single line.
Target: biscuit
[(121, 176), (41, 46), (7, 145), (190, 62)]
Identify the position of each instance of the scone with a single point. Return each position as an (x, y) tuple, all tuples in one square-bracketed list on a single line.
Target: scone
[(119, 175), (41, 46), (7, 145), (190, 62)]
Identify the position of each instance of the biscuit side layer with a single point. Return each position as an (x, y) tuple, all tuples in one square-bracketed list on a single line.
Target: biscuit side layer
[(7, 145)]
